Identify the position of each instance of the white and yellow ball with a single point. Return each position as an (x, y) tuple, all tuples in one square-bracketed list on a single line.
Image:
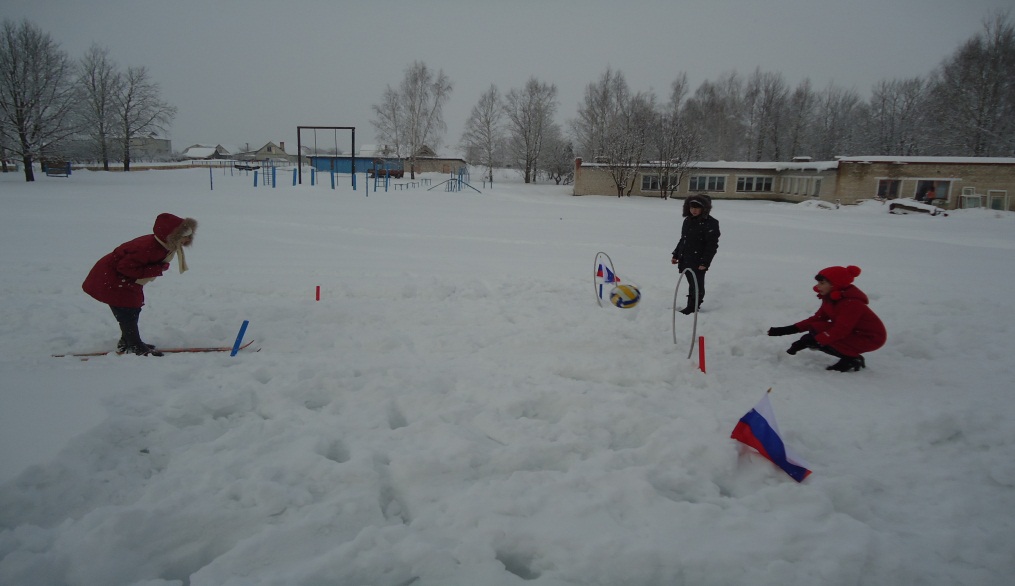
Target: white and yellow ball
[(625, 296)]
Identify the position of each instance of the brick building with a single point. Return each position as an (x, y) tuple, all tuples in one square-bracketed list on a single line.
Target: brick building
[(957, 182)]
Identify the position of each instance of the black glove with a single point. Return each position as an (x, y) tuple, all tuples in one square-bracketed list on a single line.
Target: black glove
[(805, 341), (782, 331)]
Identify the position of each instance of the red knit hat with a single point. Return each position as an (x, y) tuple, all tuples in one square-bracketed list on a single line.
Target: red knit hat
[(839, 277)]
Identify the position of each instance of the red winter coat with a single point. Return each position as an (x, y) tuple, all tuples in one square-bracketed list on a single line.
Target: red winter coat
[(114, 278), (845, 323)]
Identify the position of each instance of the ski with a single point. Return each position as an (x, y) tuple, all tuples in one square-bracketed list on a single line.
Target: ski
[(195, 349)]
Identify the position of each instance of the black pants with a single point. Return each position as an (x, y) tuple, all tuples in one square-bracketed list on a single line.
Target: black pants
[(695, 292), (127, 317)]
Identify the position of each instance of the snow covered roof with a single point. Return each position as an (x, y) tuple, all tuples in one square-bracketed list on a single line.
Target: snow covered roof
[(199, 152), (748, 165), (779, 166), (939, 160), (768, 165)]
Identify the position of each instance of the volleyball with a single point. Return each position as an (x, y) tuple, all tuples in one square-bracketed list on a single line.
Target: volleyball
[(625, 296)]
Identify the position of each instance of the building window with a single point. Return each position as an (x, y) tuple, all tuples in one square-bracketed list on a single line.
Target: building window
[(655, 182), (707, 183), (754, 184), (997, 199), (889, 188), (931, 190)]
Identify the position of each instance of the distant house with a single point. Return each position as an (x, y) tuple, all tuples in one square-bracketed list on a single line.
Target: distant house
[(958, 182), (427, 161), (150, 148), (270, 153), (200, 152)]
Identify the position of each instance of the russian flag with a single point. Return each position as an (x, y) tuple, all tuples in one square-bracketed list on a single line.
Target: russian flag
[(759, 430)]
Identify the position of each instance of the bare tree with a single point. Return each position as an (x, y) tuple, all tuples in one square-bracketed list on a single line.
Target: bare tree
[(836, 122), (557, 159), (36, 93), (676, 141), (617, 127), (529, 114), (388, 121), (716, 112), (412, 117), (974, 93), (894, 117), (4, 166), (483, 130), (100, 83), (799, 115), (595, 114), (139, 109), (764, 105), (627, 139)]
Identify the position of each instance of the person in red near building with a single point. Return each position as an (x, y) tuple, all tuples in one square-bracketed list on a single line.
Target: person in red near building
[(118, 279), (844, 326)]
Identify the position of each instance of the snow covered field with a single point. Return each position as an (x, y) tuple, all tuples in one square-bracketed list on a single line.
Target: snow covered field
[(457, 410)]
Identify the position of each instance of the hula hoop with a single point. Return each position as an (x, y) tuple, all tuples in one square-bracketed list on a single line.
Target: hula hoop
[(597, 285), (694, 330)]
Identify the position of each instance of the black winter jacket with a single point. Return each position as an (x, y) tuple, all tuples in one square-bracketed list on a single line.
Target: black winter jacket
[(699, 235), (699, 241)]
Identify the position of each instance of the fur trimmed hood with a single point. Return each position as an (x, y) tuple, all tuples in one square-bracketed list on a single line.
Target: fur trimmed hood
[(171, 230), (701, 199)]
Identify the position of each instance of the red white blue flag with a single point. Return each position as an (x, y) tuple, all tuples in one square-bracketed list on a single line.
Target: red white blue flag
[(759, 430), (607, 275)]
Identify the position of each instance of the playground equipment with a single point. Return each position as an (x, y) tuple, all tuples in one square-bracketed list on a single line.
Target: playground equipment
[(456, 182)]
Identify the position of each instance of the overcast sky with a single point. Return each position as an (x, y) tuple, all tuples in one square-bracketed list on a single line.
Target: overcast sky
[(251, 71)]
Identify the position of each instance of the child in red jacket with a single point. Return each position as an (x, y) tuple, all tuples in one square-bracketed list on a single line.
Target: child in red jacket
[(844, 325), (118, 279)]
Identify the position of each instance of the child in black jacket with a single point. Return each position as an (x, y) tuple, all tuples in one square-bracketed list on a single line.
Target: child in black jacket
[(699, 241)]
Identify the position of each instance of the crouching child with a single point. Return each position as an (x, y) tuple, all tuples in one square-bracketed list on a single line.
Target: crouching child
[(844, 326)]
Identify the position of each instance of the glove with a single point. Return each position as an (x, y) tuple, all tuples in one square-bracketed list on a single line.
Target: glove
[(674, 261), (782, 331), (165, 267), (806, 341)]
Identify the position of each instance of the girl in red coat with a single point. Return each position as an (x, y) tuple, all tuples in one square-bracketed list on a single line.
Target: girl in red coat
[(844, 325), (118, 279)]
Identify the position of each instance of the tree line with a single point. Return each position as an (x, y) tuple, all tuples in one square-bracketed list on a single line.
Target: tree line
[(51, 105), (965, 107)]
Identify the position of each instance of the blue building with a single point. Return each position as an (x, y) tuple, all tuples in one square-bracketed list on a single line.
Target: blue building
[(343, 163)]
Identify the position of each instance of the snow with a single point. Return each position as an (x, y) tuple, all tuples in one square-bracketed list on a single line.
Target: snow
[(457, 409)]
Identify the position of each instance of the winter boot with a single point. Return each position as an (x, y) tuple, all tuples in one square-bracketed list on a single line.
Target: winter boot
[(146, 350), (130, 337), (848, 364), (691, 306), (121, 346)]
